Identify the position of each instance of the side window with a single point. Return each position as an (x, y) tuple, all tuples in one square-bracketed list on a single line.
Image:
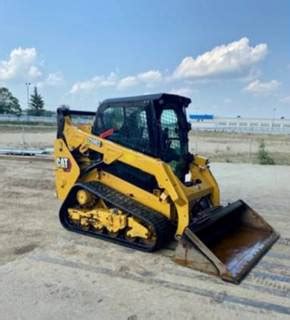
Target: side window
[(170, 139), (136, 129), (113, 118), (129, 124), (171, 147), (143, 124)]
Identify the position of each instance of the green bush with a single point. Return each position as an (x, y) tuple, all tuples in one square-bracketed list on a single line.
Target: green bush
[(263, 155)]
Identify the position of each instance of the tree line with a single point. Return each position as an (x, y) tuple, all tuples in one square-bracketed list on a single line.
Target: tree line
[(9, 104)]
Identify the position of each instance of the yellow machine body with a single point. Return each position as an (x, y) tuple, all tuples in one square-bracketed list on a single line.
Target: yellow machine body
[(173, 188), (230, 254)]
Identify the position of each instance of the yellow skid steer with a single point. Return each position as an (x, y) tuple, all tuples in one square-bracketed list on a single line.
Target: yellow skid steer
[(125, 175)]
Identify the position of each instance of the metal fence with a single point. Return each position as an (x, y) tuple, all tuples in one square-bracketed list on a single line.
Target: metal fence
[(26, 118), (244, 125), (239, 125), (51, 120)]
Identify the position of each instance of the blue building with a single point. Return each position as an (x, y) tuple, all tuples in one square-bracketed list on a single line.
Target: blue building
[(201, 117)]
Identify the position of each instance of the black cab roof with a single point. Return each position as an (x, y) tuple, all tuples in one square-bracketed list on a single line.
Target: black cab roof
[(158, 97)]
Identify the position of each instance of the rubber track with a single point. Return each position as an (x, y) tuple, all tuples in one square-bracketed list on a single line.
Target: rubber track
[(160, 225)]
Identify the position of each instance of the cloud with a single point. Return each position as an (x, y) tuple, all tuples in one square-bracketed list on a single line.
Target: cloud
[(19, 65), (52, 80), (147, 78), (109, 81), (234, 57), (34, 72), (150, 76), (128, 82), (84, 86), (94, 83), (259, 87), (183, 91)]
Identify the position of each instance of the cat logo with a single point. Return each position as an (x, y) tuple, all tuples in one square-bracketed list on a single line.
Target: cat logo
[(63, 163)]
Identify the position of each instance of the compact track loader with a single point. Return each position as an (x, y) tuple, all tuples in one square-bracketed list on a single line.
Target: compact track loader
[(125, 175)]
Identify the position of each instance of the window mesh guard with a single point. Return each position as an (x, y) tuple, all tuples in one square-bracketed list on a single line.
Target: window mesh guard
[(130, 127)]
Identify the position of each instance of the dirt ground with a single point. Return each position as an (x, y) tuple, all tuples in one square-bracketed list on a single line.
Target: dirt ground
[(217, 146), (47, 272), (240, 147), (26, 136)]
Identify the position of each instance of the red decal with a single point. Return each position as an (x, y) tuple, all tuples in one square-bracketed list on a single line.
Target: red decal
[(107, 133)]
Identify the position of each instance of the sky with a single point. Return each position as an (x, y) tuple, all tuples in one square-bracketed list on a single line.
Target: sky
[(230, 57)]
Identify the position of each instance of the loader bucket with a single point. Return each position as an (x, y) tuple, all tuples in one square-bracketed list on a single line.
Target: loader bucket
[(226, 241)]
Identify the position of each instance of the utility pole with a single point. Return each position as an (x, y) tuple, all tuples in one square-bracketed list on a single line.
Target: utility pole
[(27, 92)]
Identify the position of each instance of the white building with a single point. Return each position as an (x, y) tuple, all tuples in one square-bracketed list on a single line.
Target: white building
[(239, 124)]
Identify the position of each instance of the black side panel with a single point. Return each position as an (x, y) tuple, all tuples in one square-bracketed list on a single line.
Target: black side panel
[(61, 113), (133, 175)]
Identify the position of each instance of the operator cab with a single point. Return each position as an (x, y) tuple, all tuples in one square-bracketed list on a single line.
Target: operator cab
[(155, 125)]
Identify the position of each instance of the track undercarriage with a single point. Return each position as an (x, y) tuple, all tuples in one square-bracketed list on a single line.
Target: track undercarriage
[(99, 211)]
